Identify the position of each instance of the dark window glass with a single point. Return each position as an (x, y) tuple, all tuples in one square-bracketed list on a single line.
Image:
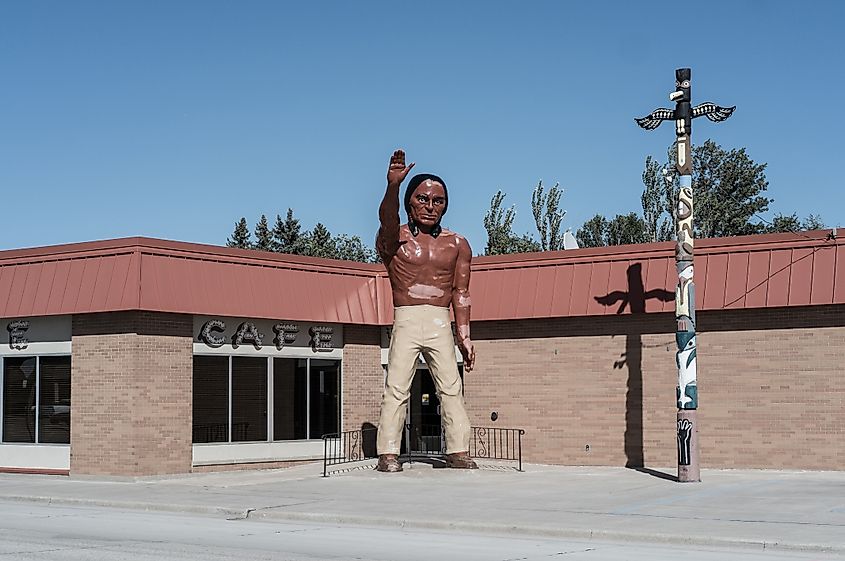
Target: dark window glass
[(211, 399), (249, 398), (54, 400), (19, 399), (325, 397), (289, 399)]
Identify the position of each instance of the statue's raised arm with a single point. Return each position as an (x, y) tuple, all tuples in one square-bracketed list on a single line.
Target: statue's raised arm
[(387, 241)]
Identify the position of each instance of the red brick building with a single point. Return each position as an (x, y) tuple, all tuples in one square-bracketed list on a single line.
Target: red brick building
[(140, 356)]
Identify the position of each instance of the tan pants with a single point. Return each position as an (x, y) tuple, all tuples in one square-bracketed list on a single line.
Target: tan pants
[(422, 329)]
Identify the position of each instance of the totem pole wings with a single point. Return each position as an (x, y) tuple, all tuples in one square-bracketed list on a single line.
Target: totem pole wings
[(710, 110), (657, 116)]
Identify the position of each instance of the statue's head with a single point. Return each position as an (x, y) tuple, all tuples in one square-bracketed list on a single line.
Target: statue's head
[(426, 201)]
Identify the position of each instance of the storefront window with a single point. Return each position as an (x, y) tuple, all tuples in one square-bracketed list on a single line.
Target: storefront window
[(290, 405), (54, 400), (231, 398), (211, 399), (39, 384), (249, 399), (325, 397)]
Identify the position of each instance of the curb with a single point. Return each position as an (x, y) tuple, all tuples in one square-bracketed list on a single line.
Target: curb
[(260, 514)]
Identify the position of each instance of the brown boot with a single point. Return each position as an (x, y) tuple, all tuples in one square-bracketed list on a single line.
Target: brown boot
[(389, 463), (460, 460)]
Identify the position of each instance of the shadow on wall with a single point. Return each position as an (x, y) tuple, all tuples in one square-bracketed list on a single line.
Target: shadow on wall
[(635, 299), (369, 432)]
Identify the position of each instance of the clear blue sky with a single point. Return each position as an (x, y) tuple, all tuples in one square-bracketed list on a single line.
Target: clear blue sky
[(174, 119)]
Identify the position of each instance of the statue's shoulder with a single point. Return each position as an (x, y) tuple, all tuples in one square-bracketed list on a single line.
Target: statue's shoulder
[(454, 239)]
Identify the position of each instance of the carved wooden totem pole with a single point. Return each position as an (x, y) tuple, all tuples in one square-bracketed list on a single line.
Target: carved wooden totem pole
[(687, 390)]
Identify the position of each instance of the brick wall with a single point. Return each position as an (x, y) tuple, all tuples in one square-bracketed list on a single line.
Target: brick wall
[(363, 377), (131, 388), (768, 385)]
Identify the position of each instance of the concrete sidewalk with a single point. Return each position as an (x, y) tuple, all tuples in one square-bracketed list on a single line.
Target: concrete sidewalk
[(761, 509)]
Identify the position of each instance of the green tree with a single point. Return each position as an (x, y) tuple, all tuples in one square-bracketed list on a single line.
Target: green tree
[(657, 203), (498, 222), (523, 244), (626, 229), (784, 223), (548, 216), (728, 191), (791, 223), (319, 243), (351, 248), (813, 222), (240, 237), (499, 225), (263, 236), (593, 233), (622, 229), (287, 235)]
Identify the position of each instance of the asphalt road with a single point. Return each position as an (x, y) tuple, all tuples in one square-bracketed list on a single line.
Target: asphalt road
[(41, 532)]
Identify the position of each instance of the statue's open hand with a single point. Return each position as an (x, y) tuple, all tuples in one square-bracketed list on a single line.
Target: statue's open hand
[(397, 171)]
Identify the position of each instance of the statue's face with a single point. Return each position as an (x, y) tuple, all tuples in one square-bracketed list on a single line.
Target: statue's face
[(428, 203)]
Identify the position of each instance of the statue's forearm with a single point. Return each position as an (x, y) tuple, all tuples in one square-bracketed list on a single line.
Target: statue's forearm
[(461, 306), (388, 211)]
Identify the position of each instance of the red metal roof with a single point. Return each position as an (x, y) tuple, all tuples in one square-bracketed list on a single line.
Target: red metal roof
[(157, 275)]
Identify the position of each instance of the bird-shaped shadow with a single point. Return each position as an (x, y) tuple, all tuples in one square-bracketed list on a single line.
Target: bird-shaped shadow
[(635, 299)]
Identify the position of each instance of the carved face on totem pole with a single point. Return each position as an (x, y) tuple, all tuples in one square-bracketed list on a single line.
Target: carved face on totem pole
[(682, 86)]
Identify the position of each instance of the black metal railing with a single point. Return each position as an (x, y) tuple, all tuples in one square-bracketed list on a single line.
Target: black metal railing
[(427, 441), (348, 447), (494, 443)]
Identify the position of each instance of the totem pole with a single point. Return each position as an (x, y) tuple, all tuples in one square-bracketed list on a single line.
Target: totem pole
[(687, 390)]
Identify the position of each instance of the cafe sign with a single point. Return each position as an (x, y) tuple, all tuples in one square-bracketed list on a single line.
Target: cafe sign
[(217, 332)]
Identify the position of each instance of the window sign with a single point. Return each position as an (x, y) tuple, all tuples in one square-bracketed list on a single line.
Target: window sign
[(17, 334), (35, 336)]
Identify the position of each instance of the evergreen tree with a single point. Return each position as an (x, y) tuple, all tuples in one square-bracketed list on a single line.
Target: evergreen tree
[(287, 235), (813, 222), (263, 236), (548, 216), (791, 223), (353, 249), (784, 223), (319, 243), (240, 237)]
